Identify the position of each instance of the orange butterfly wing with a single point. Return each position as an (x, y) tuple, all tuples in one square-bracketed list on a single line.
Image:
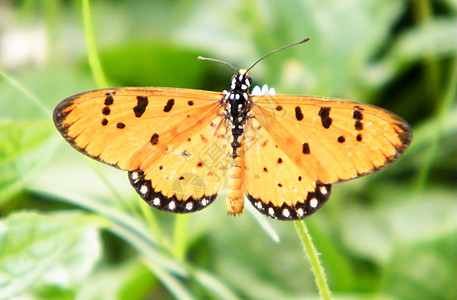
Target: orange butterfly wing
[(171, 140), (176, 145), (297, 146)]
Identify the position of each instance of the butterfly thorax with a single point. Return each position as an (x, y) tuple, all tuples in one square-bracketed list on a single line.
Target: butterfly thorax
[(238, 104)]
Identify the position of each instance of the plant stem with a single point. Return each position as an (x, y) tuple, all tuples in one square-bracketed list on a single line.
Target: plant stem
[(423, 13), (444, 108), (313, 257), (26, 92), (92, 53), (179, 236)]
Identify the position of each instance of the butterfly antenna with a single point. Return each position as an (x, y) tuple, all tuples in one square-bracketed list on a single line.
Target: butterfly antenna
[(277, 50), (218, 61)]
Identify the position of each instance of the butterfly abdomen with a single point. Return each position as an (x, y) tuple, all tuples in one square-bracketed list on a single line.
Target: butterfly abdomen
[(235, 194)]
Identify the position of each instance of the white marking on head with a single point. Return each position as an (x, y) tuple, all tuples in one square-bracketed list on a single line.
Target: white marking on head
[(263, 91), (156, 201), (144, 189), (256, 91), (189, 205), (172, 205), (244, 87), (237, 96), (313, 203)]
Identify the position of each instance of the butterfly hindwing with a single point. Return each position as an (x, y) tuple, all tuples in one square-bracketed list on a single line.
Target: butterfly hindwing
[(187, 176), (273, 183)]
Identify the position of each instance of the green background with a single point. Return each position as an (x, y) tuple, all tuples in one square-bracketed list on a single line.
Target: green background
[(72, 228)]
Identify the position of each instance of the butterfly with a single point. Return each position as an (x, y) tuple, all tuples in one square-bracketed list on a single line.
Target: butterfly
[(282, 152)]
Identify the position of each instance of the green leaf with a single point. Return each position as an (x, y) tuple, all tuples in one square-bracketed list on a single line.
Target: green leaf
[(37, 249), (25, 148), (435, 40), (376, 232), (140, 63), (423, 270)]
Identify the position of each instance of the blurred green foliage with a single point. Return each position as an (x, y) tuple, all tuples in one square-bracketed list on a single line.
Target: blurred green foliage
[(71, 228)]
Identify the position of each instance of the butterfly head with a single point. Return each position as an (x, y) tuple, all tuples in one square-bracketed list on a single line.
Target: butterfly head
[(241, 82)]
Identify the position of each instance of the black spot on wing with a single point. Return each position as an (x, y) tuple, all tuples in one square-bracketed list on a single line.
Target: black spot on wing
[(357, 115), (358, 125), (169, 105), (306, 149), (140, 108), (324, 113), (298, 113), (109, 100), (106, 111), (154, 139)]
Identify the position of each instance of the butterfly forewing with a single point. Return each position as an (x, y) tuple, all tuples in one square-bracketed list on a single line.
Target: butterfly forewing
[(115, 125), (332, 140)]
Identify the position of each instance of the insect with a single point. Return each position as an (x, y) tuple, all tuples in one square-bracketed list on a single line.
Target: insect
[(282, 152)]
